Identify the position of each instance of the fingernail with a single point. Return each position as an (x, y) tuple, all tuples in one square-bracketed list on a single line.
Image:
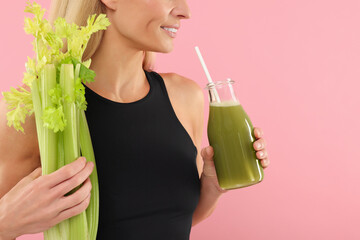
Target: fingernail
[(82, 160), (264, 162), (261, 154), (258, 145), (208, 151)]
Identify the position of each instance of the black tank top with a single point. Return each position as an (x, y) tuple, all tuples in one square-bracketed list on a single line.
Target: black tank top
[(149, 185)]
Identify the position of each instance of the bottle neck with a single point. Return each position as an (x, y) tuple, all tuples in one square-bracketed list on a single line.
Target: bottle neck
[(222, 92)]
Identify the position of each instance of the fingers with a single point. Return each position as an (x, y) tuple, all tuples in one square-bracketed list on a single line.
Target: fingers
[(77, 197), (261, 154), (29, 178), (265, 162), (258, 132), (259, 144), (69, 184), (66, 172), (207, 153), (73, 211), (36, 173), (33, 175), (209, 165)]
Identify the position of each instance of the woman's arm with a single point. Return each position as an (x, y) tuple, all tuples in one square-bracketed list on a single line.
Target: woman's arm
[(19, 152), (209, 193)]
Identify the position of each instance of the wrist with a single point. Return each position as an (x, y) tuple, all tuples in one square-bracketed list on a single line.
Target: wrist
[(3, 234), (6, 238)]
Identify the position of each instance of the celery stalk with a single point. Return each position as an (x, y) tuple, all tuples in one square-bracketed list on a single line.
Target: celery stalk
[(35, 94), (48, 137), (78, 224), (64, 225), (48, 82), (76, 76), (72, 148), (92, 212), (53, 232)]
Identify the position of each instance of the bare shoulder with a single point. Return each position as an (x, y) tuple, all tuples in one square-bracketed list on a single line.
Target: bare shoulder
[(19, 152), (187, 89)]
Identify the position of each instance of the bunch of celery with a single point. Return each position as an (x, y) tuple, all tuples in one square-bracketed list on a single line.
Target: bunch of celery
[(57, 99)]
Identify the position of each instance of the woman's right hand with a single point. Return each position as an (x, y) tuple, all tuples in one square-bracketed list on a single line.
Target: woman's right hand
[(37, 203)]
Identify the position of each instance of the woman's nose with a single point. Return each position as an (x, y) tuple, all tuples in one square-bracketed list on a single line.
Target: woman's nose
[(182, 9)]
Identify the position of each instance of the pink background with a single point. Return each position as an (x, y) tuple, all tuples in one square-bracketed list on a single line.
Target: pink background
[(296, 67)]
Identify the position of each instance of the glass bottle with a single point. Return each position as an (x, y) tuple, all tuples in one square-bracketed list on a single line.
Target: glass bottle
[(230, 133)]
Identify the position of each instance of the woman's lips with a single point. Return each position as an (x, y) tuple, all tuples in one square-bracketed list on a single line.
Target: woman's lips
[(171, 29)]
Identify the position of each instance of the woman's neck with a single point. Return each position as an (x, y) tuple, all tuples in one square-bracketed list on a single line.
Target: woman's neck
[(118, 67)]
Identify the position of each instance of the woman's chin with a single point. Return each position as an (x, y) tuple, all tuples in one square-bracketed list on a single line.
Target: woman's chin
[(168, 50), (164, 49)]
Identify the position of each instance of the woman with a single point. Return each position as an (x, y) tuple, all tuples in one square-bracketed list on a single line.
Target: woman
[(146, 129)]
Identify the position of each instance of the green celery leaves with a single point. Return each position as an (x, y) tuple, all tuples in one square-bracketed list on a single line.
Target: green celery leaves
[(48, 44)]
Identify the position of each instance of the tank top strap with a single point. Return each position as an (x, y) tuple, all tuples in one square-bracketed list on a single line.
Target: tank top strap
[(160, 92), (158, 86)]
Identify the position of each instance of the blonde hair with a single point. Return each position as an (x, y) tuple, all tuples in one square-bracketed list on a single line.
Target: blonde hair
[(78, 11)]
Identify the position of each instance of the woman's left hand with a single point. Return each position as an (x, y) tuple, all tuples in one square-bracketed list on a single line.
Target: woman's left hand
[(259, 146), (209, 171)]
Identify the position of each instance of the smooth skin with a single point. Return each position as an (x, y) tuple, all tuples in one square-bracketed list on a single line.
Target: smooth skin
[(32, 203), (36, 203)]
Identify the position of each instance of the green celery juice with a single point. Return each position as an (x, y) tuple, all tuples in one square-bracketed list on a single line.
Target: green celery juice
[(230, 133)]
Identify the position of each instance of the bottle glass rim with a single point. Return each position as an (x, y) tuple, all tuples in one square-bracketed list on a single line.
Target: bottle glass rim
[(219, 83)]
